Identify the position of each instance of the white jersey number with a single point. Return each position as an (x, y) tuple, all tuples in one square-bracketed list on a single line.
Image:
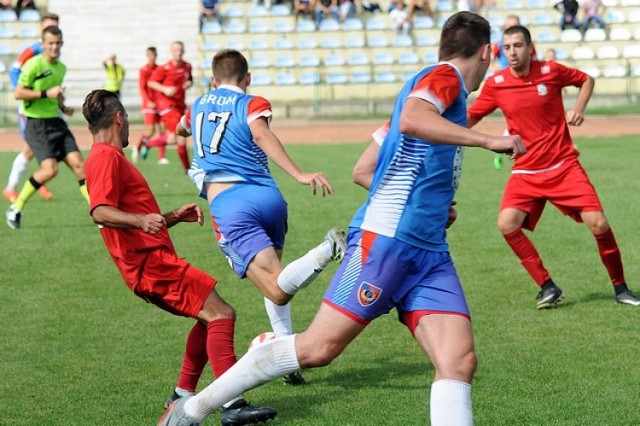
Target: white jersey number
[(214, 144)]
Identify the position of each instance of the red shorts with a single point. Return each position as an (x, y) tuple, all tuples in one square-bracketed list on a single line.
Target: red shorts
[(150, 117), (172, 284), (567, 187), (171, 117)]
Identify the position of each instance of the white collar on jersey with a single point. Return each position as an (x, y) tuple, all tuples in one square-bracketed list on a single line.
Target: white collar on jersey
[(231, 87)]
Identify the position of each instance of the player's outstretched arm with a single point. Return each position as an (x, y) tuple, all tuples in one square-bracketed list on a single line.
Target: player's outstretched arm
[(111, 217), (271, 145), (186, 213)]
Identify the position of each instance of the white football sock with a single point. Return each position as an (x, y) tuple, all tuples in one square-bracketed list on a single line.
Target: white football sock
[(266, 362), (280, 317), (451, 403), (18, 170), (301, 272)]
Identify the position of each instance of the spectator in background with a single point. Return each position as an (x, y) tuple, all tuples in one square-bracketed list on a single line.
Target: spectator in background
[(115, 74), (208, 9), (326, 8), (400, 19), (347, 9), (593, 11), (569, 9), (303, 7), (5, 4), (24, 4), (419, 6), (550, 55)]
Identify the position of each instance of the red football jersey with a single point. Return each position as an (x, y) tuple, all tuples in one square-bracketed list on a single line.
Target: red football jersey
[(533, 108), (173, 75), (113, 181), (147, 94)]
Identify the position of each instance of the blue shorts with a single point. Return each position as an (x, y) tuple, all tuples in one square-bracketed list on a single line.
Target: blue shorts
[(247, 219), (382, 273)]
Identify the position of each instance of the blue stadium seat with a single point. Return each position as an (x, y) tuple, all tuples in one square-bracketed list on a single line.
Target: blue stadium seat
[(336, 78), (402, 40), (561, 54), (257, 12), (29, 15), (408, 58), (583, 52), (29, 32), (5, 49), (6, 32), (358, 58), (260, 79), (307, 43), (592, 70), (258, 44), (329, 25), (360, 77), (570, 35), (310, 78), (407, 75), (385, 77), (280, 10), (333, 60), (283, 27), (206, 63), (211, 27), (595, 34), (210, 46), (423, 22), (283, 44), (309, 60), (305, 26), (285, 79), (8, 16), (383, 58), (608, 51), (205, 82), (259, 62), (543, 19), (430, 58), (258, 27), (354, 42), (426, 40), (330, 43), (537, 4), (376, 23), (352, 24), (285, 61), (547, 36), (443, 6), (234, 27), (378, 41), (442, 20), (233, 12), (614, 16), (235, 43), (513, 4)]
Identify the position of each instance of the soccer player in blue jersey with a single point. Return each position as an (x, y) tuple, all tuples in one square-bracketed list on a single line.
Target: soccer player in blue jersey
[(232, 145), (402, 260)]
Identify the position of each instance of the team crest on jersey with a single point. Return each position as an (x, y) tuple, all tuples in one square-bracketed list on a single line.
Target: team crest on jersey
[(542, 89), (368, 293)]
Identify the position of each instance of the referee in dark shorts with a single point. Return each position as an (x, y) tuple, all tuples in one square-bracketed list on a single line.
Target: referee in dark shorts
[(40, 87)]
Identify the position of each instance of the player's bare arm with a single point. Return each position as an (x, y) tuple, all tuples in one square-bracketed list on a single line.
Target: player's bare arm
[(575, 116), (25, 94), (112, 217), (186, 213), (362, 173), (272, 146), (420, 119), (158, 87), (182, 131)]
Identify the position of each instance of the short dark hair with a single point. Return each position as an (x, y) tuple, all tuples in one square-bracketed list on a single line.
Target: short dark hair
[(99, 109), (463, 35), (49, 16), (519, 29), (152, 49), (53, 30), (229, 64)]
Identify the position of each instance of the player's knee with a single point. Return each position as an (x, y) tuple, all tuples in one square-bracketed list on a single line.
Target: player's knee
[(507, 226), (458, 367), (599, 225), (320, 357), (279, 297)]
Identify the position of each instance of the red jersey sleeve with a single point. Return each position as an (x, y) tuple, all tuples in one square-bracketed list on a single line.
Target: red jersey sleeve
[(440, 87), (485, 103), (569, 76), (381, 133), (158, 74), (142, 85), (103, 181), (258, 107), (26, 54)]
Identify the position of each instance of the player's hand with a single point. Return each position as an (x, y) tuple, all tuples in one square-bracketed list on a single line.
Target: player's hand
[(68, 110), (55, 92), (317, 181), (151, 105), (170, 91), (453, 215), (152, 223), (511, 145), (574, 118), (189, 213)]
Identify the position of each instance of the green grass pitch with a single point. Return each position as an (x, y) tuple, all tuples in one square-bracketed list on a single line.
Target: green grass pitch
[(77, 348)]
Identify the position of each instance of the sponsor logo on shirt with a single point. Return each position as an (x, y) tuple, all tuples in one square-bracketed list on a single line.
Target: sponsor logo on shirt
[(542, 89), (368, 293)]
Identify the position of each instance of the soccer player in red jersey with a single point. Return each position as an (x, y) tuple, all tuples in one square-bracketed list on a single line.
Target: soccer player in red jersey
[(150, 114), (136, 235), (171, 81), (529, 93)]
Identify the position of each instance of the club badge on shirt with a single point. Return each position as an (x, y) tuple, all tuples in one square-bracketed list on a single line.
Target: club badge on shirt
[(542, 89), (368, 293)]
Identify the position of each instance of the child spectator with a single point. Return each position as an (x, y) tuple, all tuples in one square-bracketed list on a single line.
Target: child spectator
[(400, 19)]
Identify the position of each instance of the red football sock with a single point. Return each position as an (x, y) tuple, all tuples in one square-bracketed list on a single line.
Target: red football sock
[(220, 345), (159, 141), (162, 151), (528, 255), (195, 358), (184, 156), (610, 255)]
